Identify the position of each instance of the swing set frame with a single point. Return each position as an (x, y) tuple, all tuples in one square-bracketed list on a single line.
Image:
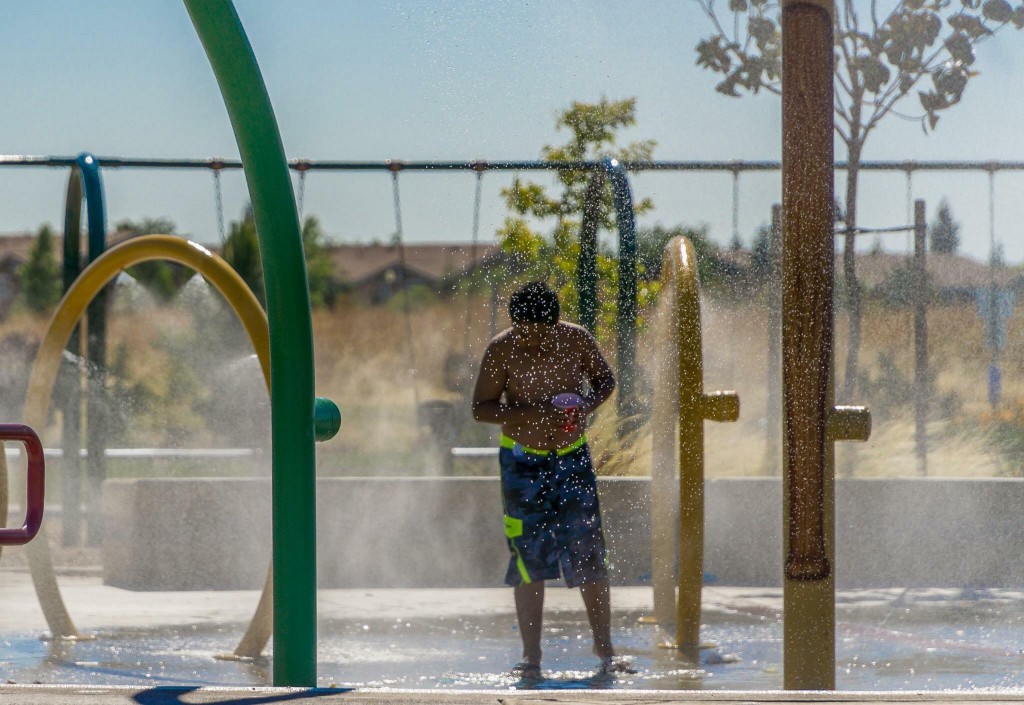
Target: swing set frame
[(614, 172)]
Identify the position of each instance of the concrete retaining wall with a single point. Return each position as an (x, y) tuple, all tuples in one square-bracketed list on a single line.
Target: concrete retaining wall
[(446, 532)]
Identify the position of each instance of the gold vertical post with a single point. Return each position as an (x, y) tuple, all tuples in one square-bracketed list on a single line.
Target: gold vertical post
[(681, 407), (690, 442), (664, 463)]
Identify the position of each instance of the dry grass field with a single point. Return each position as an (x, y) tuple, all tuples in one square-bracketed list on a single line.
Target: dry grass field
[(376, 363)]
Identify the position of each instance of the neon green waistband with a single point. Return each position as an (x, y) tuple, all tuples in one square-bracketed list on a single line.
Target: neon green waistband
[(507, 442)]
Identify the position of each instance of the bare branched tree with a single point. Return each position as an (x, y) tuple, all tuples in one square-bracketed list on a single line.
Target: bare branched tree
[(880, 58)]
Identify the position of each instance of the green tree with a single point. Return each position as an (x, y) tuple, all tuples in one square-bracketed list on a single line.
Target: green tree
[(879, 60), (185, 392), (593, 129), (997, 258), (39, 276), (158, 277), (651, 244), (242, 252), (147, 226), (761, 253), (319, 268), (129, 398), (897, 289), (736, 244), (944, 231)]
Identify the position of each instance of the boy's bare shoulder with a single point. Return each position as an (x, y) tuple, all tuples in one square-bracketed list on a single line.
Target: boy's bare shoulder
[(502, 342), (574, 332)]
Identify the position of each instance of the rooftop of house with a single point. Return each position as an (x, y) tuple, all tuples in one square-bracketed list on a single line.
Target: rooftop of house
[(434, 260), (19, 244), (946, 271), (356, 262)]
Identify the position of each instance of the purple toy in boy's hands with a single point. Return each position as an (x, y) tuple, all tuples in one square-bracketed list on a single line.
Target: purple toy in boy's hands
[(569, 403)]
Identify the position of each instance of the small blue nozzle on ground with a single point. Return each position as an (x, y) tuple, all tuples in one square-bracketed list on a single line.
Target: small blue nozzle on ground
[(326, 419)]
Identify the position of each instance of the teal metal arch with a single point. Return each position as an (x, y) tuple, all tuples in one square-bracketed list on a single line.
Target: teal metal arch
[(85, 181), (612, 171)]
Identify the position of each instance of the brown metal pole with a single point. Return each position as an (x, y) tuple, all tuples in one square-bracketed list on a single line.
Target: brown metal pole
[(920, 339), (808, 263), (807, 318), (773, 410)]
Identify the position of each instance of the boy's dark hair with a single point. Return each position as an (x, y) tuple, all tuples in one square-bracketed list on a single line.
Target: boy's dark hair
[(534, 302)]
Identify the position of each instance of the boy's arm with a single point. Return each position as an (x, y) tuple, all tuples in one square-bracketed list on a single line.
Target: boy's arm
[(602, 379), (490, 384)]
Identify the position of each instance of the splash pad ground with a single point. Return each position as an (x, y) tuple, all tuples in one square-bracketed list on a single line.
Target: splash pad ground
[(450, 641)]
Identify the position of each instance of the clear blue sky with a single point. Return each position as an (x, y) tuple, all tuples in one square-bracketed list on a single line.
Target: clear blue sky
[(441, 80)]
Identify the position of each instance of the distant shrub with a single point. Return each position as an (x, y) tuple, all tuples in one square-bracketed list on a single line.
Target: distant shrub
[(39, 277)]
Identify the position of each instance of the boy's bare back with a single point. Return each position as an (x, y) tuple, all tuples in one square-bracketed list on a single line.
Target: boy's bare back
[(529, 364)]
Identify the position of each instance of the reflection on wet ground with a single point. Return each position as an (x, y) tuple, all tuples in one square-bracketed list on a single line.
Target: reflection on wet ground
[(928, 641)]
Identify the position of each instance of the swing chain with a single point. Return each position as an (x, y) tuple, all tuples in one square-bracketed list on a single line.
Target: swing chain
[(472, 254), (396, 167), (218, 199), (736, 204), (300, 197), (992, 219), (910, 203)]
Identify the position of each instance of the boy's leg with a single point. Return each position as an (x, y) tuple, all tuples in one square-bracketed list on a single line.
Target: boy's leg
[(597, 599), (530, 612)]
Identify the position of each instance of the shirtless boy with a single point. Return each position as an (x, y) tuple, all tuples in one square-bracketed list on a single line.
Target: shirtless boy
[(552, 518)]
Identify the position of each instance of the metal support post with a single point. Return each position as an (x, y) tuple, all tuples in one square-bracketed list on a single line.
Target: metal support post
[(773, 403), (811, 422), (293, 481), (921, 392)]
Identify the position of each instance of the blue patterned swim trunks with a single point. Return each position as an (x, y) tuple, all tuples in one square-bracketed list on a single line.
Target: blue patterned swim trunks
[(552, 517)]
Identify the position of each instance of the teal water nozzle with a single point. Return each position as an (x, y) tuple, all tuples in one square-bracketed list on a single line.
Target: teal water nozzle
[(326, 419)]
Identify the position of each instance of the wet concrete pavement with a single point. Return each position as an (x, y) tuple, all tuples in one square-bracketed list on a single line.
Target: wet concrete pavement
[(95, 606), (79, 695)]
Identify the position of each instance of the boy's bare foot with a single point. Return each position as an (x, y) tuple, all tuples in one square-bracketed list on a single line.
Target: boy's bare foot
[(612, 665), (526, 671)]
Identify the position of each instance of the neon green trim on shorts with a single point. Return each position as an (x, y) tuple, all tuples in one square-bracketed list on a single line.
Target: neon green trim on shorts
[(508, 442), (514, 528)]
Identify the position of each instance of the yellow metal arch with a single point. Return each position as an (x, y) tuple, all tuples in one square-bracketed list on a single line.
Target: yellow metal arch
[(44, 372), (680, 409)]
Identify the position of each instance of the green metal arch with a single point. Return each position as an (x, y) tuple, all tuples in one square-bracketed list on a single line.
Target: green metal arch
[(291, 336)]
